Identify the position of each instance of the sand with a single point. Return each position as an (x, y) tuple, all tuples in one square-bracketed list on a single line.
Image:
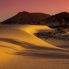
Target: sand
[(21, 49)]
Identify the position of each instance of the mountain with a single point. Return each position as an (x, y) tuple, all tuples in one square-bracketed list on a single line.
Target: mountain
[(54, 21), (59, 20), (27, 18)]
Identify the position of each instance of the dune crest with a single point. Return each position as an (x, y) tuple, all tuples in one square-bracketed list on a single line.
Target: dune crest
[(21, 40)]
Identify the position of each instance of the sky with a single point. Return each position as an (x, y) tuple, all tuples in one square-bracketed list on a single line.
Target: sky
[(9, 8)]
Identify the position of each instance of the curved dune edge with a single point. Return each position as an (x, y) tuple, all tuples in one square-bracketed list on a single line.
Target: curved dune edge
[(35, 51), (33, 29), (27, 43)]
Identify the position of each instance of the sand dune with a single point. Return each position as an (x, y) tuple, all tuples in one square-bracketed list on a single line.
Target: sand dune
[(15, 34), (25, 34), (19, 46)]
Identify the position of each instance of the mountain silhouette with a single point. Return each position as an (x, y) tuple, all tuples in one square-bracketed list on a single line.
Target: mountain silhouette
[(57, 20), (27, 18), (61, 19)]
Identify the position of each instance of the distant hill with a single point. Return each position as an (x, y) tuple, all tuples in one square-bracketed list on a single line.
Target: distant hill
[(61, 19), (57, 20), (27, 18)]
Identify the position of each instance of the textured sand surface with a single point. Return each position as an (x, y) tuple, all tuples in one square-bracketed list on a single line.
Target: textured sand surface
[(21, 49)]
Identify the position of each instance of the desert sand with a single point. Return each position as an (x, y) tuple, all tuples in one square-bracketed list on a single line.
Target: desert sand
[(21, 49)]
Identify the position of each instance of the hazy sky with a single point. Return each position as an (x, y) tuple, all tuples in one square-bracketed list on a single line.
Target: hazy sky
[(9, 8)]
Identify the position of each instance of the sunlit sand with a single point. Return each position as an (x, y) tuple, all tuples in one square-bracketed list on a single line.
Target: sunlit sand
[(21, 49)]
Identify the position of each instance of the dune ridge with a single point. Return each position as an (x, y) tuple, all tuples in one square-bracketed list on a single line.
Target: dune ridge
[(24, 42)]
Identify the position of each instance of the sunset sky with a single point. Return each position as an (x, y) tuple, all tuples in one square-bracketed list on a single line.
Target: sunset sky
[(9, 8)]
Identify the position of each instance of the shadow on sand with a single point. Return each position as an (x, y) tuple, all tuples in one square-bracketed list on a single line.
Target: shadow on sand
[(37, 51)]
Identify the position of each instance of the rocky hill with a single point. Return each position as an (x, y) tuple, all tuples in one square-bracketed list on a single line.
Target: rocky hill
[(57, 20), (27, 18)]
